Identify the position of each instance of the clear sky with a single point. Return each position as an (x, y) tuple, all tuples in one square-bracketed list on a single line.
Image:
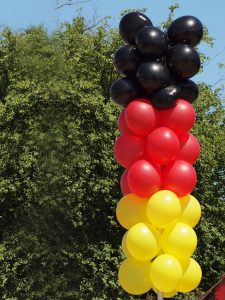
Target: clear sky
[(19, 14)]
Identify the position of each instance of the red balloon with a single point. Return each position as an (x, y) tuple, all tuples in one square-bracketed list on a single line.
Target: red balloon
[(128, 148), (124, 183), (122, 125), (183, 137), (179, 118), (141, 117), (162, 145), (143, 179), (179, 177), (189, 149), (158, 167)]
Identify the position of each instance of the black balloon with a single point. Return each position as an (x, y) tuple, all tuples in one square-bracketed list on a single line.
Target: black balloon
[(123, 91), (130, 24), (183, 61), (166, 97), (151, 42), (189, 90), (187, 30), (153, 76), (126, 61)]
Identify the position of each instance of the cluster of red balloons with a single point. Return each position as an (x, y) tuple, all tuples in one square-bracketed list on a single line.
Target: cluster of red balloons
[(156, 148)]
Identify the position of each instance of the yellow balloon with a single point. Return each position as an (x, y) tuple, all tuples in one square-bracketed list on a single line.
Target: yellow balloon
[(190, 210), (124, 246), (134, 276), (169, 294), (166, 273), (143, 241), (166, 294), (130, 210), (192, 275), (179, 240), (163, 208)]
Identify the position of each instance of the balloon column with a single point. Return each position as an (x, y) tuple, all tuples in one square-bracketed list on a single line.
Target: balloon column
[(158, 152)]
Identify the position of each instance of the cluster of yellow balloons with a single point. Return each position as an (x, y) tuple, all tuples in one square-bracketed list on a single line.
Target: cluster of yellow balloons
[(159, 243)]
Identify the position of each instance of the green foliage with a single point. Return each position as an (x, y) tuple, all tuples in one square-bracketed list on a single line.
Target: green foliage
[(165, 24), (126, 11), (59, 183)]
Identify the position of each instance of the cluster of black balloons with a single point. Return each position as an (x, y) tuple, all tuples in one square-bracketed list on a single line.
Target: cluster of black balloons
[(157, 65)]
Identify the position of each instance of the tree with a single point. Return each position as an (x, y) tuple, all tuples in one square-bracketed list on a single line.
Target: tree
[(59, 182)]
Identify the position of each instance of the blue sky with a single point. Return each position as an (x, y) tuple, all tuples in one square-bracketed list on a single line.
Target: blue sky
[(19, 14)]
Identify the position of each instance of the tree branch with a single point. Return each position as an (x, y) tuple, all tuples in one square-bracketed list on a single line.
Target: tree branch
[(71, 3), (213, 58), (94, 24), (222, 78)]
